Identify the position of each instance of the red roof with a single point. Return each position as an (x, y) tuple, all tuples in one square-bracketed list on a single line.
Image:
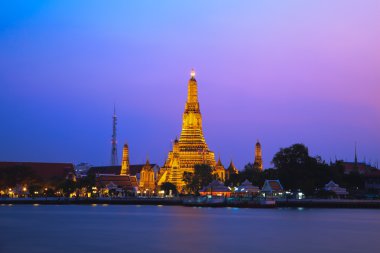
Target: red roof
[(128, 182), (275, 185), (45, 171), (361, 167)]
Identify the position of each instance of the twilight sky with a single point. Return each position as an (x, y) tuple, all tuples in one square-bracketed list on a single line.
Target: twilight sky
[(279, 71)]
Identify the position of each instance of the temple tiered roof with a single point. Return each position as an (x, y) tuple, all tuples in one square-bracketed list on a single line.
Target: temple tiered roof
[(191, 148)]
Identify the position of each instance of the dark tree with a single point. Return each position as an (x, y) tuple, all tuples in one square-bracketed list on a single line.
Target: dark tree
[(68, 186), (87, 182), (253, 174), (167, 186), (298, 170), (234, 180), (201, 177)]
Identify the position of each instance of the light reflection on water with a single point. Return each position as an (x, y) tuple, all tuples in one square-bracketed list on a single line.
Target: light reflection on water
[(159, 229)]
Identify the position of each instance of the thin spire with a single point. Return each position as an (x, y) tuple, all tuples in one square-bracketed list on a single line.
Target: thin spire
[(356, 155), (219, 163), (114, 160)]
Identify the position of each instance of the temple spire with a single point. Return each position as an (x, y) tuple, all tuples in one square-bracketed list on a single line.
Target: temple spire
[(192, 92), (125, 162), (258, 163), (191, 148)]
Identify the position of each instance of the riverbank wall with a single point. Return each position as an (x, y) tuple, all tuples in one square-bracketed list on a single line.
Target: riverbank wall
[(290, 203)]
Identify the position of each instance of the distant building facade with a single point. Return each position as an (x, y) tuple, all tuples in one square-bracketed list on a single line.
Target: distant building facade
[(140, 172)]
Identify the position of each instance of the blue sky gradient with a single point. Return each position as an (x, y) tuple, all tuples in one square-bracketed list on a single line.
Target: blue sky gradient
[(279, 71)]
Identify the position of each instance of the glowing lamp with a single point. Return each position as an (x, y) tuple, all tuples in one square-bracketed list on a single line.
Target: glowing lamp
[(192, 73)]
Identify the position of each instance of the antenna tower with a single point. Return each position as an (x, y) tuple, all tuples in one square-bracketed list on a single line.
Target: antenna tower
[(114, 160)]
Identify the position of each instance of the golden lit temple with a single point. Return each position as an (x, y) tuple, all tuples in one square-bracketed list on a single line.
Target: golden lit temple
[(258, 156), (125, 161), (191, 148)]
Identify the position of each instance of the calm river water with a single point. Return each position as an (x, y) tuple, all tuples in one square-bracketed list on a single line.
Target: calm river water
[(27, 229)]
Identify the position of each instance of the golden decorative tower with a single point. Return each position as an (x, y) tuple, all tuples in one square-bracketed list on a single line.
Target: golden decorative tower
[(191, 148), (258, 156), (125, 162), (147, 181), (220, 171)]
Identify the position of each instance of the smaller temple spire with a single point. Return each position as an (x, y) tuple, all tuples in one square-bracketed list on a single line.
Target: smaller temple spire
[(125, 161), (258, 163)]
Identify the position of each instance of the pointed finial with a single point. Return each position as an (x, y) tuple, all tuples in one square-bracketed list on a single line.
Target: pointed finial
[(356, 155), (219, 161), (192, 73)]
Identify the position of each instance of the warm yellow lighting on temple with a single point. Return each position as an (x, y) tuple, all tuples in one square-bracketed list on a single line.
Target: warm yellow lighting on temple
[(125, 161), (258, 163), (191, 148)]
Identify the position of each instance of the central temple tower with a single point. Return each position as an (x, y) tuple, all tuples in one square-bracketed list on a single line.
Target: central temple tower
[(191, 148)]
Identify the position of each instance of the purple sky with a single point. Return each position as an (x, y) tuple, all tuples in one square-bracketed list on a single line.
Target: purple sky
[(279, 71)]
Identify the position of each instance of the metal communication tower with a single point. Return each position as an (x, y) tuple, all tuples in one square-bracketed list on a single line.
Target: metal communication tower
[(114, 160)]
